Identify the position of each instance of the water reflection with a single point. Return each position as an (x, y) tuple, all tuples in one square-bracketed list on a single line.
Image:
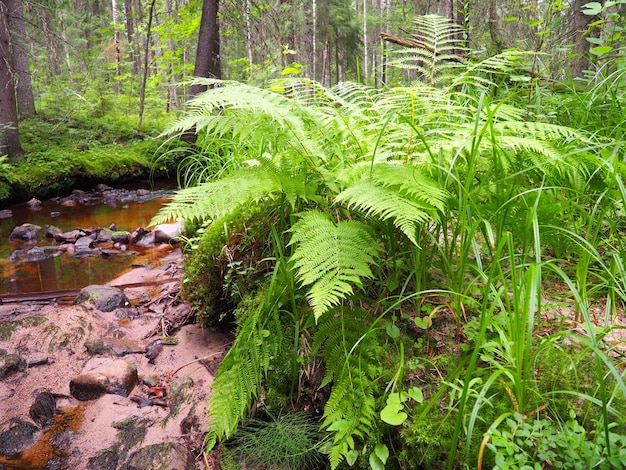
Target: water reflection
[(64, 271)]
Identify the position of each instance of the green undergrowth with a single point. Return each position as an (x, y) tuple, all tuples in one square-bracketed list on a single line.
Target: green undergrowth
[(63, 153), (225, 260)]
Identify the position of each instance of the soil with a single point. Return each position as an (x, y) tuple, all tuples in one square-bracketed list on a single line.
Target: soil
[(51, 338)]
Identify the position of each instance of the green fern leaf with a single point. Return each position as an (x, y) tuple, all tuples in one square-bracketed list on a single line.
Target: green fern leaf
[(331, 258), (216, 198), (396, 192)]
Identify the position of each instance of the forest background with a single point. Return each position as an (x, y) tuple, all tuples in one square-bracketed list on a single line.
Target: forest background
[(412, 212)]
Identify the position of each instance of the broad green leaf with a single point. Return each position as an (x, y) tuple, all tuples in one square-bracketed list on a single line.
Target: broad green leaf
[(375, 462), (393, 331), (601, 50), (592, 8), (392, 414), (423, 322), (416, 394), (382, 452), (351, 457)]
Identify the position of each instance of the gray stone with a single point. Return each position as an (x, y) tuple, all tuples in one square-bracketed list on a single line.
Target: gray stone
[(84, 244), (120, 236), (34, 204), (25, 232), (43, 409), (11, 364), (104, 298), (117, 377), (164, 456), (165, 233), (6, 214), (153, 349), (17, 438), (142, 237), (52, 231), (70, 237)]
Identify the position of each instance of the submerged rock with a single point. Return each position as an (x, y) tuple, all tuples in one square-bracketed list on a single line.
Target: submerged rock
[(25, 232), (6, 214), (19, 437), (34, 204), (104, 298), (117, 377)]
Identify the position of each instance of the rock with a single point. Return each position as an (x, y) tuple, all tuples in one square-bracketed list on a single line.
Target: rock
[(69, 237), (104, 460), (84, 244), (153, 349), (139, 237), (32, 254), (120, 236), (164, 456), (55, 214), (34, 204), (96, 347), (6, 214), (165, 233), (104, 298), (25, 232), (43, 409), (117, 377), (52, 231), (17, 438), (11, 364), (103, 187)]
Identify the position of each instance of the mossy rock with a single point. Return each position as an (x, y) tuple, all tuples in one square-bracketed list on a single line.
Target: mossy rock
[(227, 262)]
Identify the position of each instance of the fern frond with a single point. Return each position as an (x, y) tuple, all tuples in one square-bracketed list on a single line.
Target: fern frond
[(215, 198), (395, 192), (351, 355), (331, 258), (237, 382), (435, 53)]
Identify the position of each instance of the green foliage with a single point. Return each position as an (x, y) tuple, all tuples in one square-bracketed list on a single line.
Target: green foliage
[(524, 443), (224, 260), (288, 441), (239, 377), (351, 354), (331, 258)]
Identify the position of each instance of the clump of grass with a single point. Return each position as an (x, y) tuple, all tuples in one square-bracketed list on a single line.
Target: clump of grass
[(288, 441)]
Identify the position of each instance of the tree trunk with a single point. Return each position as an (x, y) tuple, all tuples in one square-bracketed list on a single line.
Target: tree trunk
[(21, 64), (144, 79), (116, 45), (9, 134), (580, 25), (208, 50)]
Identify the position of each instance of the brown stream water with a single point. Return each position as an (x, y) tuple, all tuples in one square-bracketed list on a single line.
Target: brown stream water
[(65, 271)]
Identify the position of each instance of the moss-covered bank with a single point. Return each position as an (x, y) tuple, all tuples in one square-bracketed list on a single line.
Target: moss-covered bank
[(62, 154)]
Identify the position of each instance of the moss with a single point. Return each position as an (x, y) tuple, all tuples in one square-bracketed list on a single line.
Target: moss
[(229, 259), (8, 328)]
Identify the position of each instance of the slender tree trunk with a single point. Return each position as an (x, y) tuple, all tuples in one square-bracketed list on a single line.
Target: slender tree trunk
[(21, 64), (173, 101), (142, 90), (314, 45), (9, 134), (208, 50), (580, 25), (493, 27), (133, 56), (116, 45), (51, 53), (366, 75)]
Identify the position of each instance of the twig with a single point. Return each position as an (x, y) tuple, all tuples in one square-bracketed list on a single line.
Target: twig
[(196, 360)]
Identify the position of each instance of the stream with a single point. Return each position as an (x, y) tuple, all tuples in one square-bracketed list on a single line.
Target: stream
[(127, 207)]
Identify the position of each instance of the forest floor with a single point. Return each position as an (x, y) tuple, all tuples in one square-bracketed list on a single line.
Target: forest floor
[(167, 408)]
